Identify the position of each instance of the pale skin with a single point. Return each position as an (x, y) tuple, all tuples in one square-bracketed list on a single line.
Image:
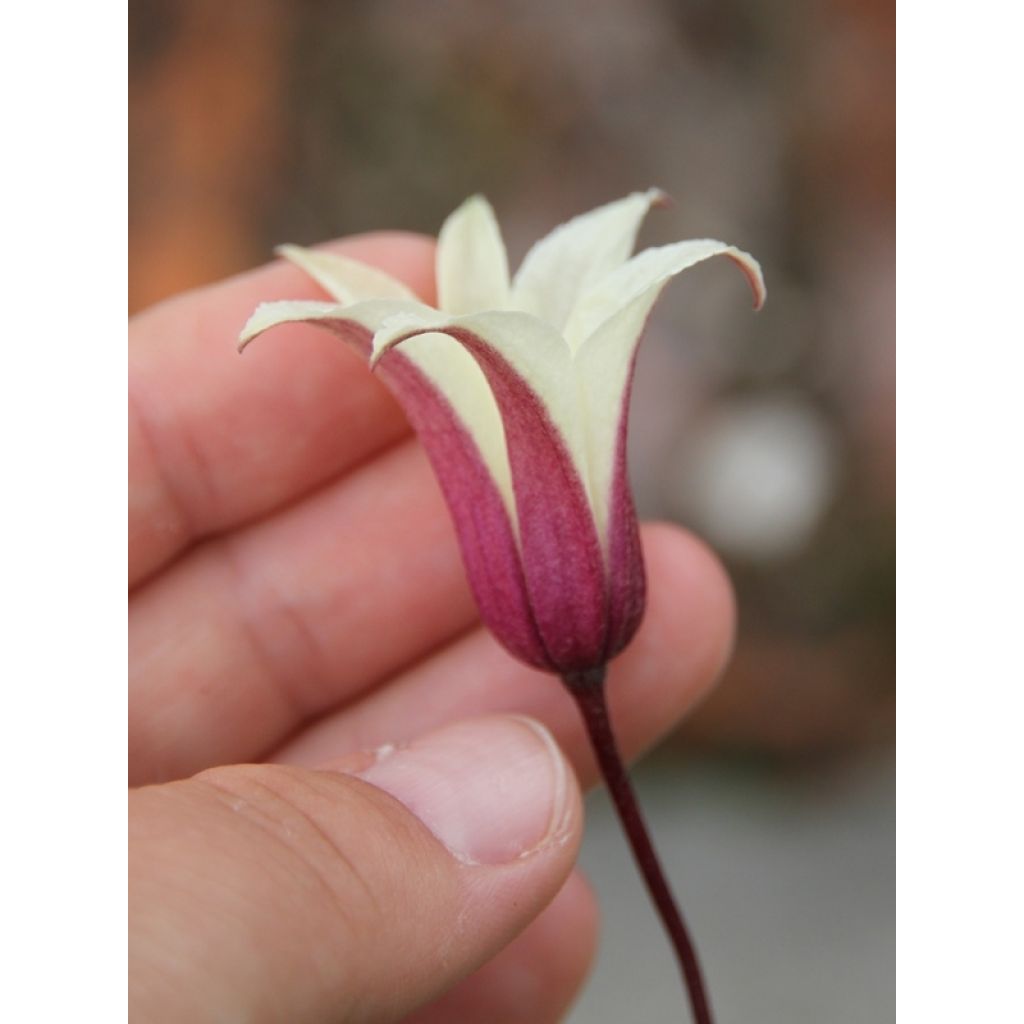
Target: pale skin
[(296, 600)]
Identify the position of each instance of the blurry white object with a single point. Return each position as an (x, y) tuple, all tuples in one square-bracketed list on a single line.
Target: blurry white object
[(757, 476)]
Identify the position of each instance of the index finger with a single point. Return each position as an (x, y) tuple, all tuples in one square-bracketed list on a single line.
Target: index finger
[(215, 440)]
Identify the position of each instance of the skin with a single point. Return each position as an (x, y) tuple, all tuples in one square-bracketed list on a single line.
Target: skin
[(296, 599)]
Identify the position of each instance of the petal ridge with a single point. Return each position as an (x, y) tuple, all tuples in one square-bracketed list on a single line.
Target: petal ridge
[(560, 267), (370, 315), (344, 278), (648, 269), (620, 306), (484, 525), (560, 549)]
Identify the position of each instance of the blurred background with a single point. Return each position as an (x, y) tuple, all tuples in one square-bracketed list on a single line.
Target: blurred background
[(254, 122)]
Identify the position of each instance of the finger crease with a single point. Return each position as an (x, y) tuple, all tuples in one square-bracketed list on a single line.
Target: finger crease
[(279, 635), (180, 520)]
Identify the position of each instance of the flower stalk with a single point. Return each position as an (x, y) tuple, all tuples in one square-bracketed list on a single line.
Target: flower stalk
[(588, 690)]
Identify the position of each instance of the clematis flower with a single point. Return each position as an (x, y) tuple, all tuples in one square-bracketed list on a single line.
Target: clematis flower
[(519, 390)]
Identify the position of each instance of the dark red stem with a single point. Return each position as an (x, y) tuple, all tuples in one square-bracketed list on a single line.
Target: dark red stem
[(588, 690)]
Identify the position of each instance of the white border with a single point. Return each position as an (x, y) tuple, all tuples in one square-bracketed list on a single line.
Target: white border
[(62, 79), (961, 513)]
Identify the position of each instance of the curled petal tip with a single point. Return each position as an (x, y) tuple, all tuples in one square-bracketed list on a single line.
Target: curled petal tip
[(398, 328), (292, 253), (270, 314), (757, 286), (252, 329), (752, 272), (262, 318), (660, 199), (384, 341)]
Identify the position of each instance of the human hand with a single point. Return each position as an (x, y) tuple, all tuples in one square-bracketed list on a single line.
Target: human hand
[(296, 602)]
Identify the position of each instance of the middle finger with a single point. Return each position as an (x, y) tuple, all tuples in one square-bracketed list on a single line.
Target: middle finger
[(677, 655), (253, 633)]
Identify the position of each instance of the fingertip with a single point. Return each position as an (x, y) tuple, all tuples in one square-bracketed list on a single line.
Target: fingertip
[(558, 950), (538, 975), (496, 790), (689, 584), (575, 911), (684, 642)]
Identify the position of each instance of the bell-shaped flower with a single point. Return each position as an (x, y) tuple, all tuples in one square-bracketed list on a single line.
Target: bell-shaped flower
[(519, 390)]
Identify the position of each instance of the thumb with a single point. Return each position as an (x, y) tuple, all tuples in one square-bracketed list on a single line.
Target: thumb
[(264, 893)]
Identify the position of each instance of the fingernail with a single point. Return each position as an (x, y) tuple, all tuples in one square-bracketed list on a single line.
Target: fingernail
[(492, 790)]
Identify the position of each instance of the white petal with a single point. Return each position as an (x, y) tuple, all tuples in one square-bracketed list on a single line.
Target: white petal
[(620, 307), (369, 314), (534, 351), (531, 375), (456, 375), (472, 266), (446, 364), (450, 368), (652, 267), (345, 279), (561, 266), (454, 372)]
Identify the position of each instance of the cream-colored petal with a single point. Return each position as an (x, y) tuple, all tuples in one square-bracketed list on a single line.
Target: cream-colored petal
[(564, 264), (647, 269), (440, 358), (370, 315), (456, 375), (345, 279), (532, 378), (531, 348), (620, 306), (472, 265)]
